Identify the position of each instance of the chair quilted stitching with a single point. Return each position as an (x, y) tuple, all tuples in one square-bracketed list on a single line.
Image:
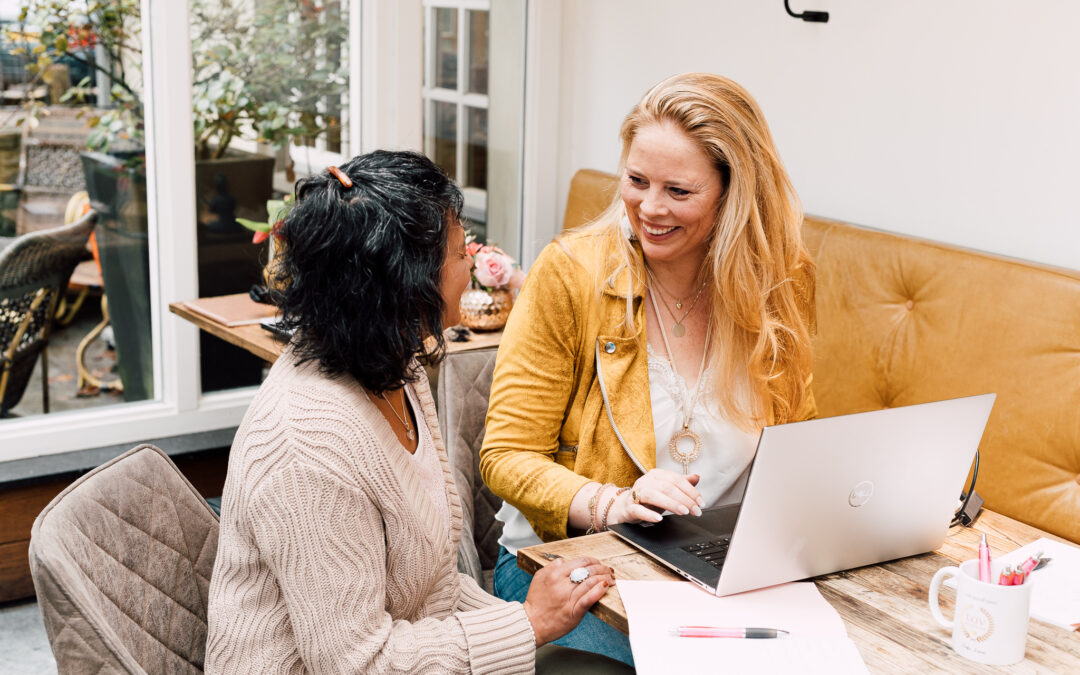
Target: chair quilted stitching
[(151, 536), (124, 613), (148, 582)]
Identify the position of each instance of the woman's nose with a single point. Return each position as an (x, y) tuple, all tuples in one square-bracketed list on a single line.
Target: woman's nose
[(652, 204)]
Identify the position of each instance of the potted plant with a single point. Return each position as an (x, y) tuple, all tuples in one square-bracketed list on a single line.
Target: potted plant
[(250, 81)]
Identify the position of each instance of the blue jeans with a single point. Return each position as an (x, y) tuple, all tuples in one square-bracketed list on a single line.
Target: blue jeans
[(591, 635)]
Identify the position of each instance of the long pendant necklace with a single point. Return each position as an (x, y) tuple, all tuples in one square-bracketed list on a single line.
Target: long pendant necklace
[(404, 419), (679, 329), (686, 433)]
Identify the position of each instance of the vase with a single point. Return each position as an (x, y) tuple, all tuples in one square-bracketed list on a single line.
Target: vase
[(483, 310)]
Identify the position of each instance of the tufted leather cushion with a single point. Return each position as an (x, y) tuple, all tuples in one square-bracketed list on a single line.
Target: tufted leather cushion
[(121, 562), (903, 321), (590, 193)]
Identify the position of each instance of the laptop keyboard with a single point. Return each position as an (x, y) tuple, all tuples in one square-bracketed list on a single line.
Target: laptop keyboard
[(712, 552)]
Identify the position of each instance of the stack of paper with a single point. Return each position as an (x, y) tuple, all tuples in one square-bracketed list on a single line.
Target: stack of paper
[(1055, 597), (818, 641)]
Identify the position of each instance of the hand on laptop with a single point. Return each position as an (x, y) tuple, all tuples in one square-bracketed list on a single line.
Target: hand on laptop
[(657, 491)]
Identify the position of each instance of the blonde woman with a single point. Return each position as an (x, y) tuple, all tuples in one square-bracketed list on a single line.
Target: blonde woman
[(648, 348)]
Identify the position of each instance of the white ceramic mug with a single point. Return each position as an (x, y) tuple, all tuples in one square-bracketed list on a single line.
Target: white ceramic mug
[(991, 621)]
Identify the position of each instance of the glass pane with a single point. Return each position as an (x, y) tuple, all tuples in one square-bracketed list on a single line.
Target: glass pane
[(270, 94), (476, 148), (478, 52), (75, 80), (444, 138), (445, 34)]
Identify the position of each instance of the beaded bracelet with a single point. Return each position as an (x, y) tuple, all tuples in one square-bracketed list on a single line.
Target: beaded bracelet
[(607, 509), (594, 502)]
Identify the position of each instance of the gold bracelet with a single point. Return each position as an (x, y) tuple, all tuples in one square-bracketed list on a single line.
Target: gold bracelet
[(607, 509)]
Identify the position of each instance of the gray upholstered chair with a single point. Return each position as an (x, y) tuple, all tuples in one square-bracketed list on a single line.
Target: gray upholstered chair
[(34, 273), (121, 562)]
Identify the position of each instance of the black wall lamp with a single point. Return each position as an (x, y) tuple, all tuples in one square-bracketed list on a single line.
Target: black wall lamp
[(808, 15)]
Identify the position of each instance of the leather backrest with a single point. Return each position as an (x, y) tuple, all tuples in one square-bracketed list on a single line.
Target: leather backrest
[(590, 193), (121, 562), (902, 321)]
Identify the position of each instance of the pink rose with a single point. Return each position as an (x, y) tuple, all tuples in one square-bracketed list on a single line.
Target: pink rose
[(492, 268)]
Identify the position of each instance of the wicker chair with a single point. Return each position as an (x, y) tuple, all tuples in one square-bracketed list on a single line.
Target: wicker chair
[(34, 272)]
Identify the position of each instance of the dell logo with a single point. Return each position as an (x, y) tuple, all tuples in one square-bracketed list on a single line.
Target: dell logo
[(861, 493)]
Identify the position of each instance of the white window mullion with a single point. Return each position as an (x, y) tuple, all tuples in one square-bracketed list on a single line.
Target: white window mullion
[(171, 199), (462, 70)]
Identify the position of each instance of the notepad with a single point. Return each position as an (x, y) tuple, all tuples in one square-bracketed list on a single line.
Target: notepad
[(232, 310), (1055, 597), (818, 641)]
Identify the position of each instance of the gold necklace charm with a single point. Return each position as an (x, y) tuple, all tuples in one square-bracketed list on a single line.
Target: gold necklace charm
[(403, 419), (678, 455), (678, 328)]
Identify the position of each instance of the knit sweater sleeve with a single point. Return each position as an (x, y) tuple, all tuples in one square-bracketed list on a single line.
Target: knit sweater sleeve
[(472, 596), (324, 543)]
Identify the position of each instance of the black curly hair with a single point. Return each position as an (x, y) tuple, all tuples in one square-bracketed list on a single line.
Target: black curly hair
[(361, 267)]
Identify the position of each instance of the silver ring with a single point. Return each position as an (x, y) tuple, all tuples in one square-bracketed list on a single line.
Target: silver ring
[(578, 574)]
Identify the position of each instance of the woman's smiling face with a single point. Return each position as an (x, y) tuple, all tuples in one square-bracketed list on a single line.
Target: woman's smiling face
[(672, 192)]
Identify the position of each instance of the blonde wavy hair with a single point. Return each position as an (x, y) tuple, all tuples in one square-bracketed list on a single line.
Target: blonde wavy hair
[(762, 277)]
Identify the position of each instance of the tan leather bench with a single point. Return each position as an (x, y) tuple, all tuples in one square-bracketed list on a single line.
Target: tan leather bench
[(904, 321)]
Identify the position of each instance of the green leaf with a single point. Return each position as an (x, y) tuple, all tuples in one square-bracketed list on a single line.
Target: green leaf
[(254, 226)]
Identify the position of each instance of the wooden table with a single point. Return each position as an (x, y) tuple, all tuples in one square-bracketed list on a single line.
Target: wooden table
[(884, 607), (260, 342)]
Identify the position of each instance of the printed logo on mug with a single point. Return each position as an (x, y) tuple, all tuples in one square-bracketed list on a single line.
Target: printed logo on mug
[(991, 621)]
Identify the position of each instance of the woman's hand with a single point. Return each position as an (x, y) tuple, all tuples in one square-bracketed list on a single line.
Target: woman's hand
[(555, 605), (657, 491)]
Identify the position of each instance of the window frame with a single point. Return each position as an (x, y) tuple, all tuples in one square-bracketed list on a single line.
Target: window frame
[(178, 406), (460, 97)]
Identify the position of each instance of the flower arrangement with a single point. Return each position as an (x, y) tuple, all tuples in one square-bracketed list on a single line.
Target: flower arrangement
[(492, 268), (276, 210), (496, 278)]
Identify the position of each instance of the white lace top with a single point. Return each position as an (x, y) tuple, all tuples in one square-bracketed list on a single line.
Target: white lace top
[(726, 450), (725, 455)]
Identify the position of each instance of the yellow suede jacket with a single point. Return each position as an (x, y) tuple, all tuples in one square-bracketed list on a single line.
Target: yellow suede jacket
[(570, 394)]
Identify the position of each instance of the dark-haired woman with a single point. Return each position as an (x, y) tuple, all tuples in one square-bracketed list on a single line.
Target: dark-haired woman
[(340, 521)]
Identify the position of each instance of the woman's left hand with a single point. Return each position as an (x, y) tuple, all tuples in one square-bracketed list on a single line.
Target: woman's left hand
[(657, 491)]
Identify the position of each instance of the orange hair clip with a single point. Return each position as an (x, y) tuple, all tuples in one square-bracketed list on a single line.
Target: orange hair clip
[(340, 175)]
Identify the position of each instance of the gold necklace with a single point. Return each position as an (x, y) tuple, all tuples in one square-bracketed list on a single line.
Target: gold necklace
[(686, 433), (679, 329), (404, 420)]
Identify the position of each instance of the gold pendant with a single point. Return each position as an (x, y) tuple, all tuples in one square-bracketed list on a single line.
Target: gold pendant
[(678, 305), (678, 455), (679, 330)]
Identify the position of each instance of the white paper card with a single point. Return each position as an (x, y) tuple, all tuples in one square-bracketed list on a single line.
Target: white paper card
[(818, 641), (1055, 597)]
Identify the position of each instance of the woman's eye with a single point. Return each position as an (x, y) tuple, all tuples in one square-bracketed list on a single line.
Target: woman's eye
[(636, 180), (679, 192)]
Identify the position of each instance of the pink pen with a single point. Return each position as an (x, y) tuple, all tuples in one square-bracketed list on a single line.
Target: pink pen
[(984, 561), (1031, 563), (713, 632)]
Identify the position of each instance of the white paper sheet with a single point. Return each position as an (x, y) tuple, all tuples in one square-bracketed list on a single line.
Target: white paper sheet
[(818, 641), (1055, 597)]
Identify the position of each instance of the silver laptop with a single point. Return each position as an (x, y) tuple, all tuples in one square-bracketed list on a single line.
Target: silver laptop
[(827, 495)]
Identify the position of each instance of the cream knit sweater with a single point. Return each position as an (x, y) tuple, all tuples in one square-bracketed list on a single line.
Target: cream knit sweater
[(331, 556)]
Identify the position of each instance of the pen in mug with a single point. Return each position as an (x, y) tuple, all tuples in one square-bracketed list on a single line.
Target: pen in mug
[(714, 632), (984, 561), (1005, 578)]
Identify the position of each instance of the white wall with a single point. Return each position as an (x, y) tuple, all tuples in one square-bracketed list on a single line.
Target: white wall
[(952, 120)]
